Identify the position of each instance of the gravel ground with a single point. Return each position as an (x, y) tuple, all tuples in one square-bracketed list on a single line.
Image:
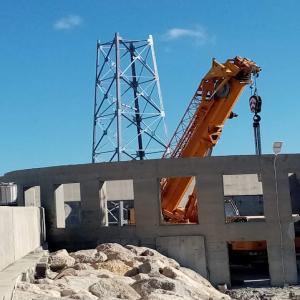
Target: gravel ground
[(265, 293)]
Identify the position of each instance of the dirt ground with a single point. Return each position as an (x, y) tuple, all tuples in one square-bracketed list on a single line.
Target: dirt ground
[(265, 293)]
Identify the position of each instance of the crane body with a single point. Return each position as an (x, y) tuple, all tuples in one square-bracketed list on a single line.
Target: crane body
[(215, 98)]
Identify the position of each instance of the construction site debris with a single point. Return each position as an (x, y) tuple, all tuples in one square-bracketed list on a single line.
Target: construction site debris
[(266, 293), (112, 271)]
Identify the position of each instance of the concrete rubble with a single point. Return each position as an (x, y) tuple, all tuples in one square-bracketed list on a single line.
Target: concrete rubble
[(112, 271)]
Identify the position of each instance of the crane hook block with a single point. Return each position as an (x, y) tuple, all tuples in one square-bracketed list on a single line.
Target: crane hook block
[(256, 118), (255, 103)]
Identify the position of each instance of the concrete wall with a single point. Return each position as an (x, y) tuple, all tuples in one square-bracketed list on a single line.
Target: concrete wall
[(68, 195), (119, 190), (21, 231), (115, 190), (277, 228), (71, 192), (242, 184), (294, 182), (176, 247)]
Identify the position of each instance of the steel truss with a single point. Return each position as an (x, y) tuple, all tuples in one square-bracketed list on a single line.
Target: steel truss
[(176, 145), (118, 212), (128, 108)]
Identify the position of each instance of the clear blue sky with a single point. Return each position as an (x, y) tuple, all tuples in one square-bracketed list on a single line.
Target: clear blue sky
[(47, 57)]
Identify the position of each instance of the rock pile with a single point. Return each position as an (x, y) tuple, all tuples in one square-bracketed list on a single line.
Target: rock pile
[(112, 271)]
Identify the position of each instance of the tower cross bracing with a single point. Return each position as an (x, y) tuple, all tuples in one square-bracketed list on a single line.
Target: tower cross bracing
[(129, 117)]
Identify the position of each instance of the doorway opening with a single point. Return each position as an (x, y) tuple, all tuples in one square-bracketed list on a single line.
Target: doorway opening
[(248, 262)]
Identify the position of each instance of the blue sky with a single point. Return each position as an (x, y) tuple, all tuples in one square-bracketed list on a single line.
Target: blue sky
[(47, 61)]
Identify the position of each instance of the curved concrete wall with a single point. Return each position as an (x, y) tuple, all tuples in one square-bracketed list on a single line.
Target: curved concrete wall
[(277, 228)]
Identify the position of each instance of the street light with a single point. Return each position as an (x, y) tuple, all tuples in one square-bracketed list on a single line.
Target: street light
[(277, 147)]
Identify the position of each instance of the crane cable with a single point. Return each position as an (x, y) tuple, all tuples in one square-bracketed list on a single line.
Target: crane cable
[(255, 103)]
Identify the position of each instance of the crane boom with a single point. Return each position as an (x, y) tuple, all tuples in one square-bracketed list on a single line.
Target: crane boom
[(201, 127)]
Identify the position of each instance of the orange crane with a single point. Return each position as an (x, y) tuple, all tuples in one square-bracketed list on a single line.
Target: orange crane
[(200, 129)]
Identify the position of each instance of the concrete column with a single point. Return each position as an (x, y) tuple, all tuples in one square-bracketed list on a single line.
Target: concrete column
[(93, 209), (282, 262), (287, 228), (147, 209), (20, 195), (278, 212), (210, 200), (217, 261), (103, 203), (212, 216), (47, 190), (270, 196), (60, 207), (32, 196)]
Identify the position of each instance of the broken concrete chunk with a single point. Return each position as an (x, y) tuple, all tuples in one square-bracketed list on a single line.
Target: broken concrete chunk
[(60, 259), (112, 272), (109, 287)]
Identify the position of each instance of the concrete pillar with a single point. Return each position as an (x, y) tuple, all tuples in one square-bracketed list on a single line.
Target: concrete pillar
[(32, 196), (282, 262), (288, 230), (20, 195), (210, 200), (93, 209), (60, 207), (147, 209), (217, 261), (47, 190), (212, 216), (103, 204), (278, 212)]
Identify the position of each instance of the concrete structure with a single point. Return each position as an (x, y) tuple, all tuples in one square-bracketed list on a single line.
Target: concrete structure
[(175, 247), (21, 231), (242, 184), (8, 193), (277, 228), (246, 192)]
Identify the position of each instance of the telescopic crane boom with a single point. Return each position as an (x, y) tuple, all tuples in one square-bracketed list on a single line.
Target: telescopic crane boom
[(201, 127)]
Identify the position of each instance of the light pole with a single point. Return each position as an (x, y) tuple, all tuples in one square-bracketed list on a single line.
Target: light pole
[(276, 150)]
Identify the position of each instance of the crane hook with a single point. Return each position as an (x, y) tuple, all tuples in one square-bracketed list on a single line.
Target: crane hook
[(255, 103)]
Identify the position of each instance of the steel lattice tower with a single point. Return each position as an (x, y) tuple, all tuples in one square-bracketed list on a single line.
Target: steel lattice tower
[(128, 108)]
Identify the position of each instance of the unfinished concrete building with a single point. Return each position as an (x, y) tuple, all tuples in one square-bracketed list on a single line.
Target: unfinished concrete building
[(204, 247)]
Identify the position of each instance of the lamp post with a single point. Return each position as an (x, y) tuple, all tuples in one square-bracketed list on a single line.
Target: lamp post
[(276, 150)]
